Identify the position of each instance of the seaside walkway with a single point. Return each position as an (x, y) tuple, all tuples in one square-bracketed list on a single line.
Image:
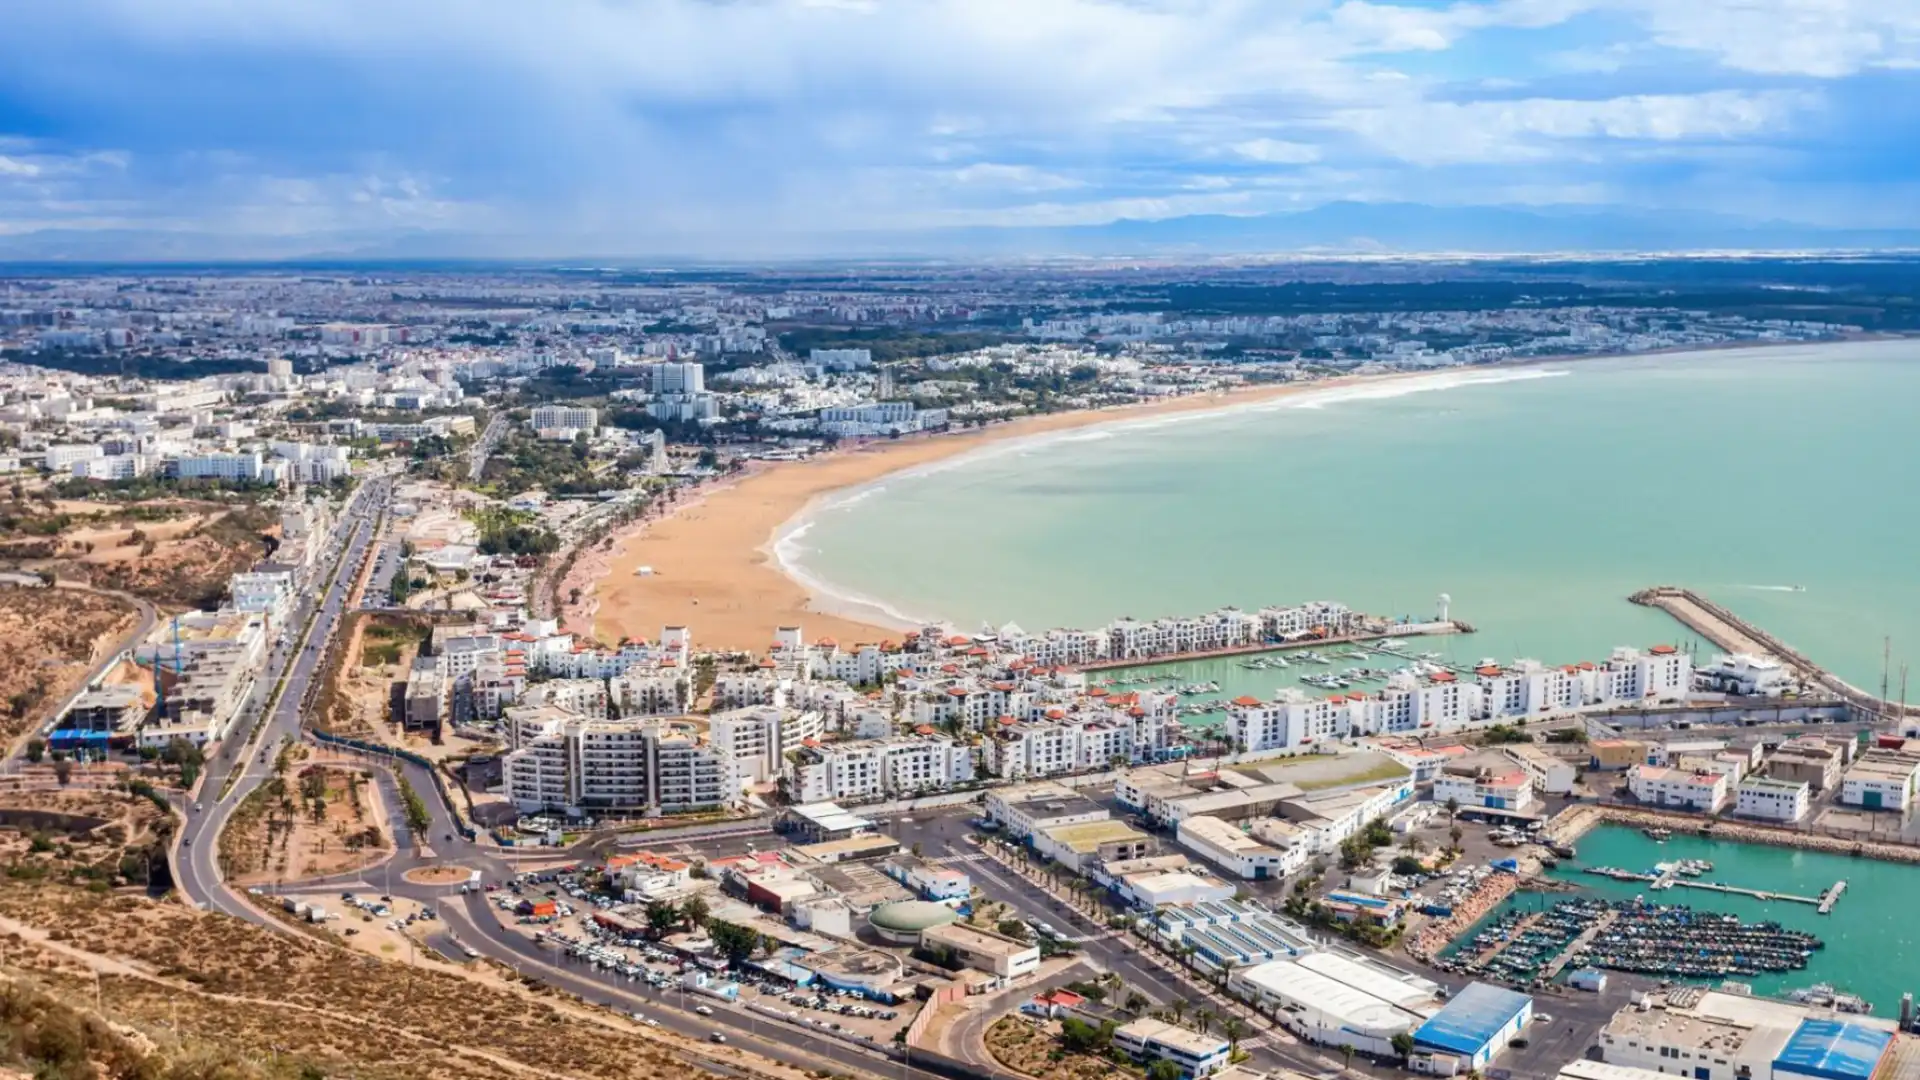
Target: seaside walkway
[(1737, 635)]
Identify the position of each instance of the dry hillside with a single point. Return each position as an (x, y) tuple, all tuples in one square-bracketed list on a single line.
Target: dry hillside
[(52, 636)]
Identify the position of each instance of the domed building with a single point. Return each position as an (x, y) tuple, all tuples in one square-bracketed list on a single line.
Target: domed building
[(901, 923)]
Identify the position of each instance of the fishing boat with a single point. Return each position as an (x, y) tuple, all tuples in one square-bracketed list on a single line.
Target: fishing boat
[(1825, 996), (1657, 834)]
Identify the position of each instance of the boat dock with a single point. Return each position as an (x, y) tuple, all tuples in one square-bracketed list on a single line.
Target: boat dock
[(1665, 878), (1736, 635)]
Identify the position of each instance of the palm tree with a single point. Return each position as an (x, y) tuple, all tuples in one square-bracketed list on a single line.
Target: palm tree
[(1202, 1019), (1346, 1052), (1232, 1028), (1136, 1001), (1227, 966), (1178, 1007)]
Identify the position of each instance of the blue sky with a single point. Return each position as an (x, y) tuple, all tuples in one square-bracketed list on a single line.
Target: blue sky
[(557, 126)]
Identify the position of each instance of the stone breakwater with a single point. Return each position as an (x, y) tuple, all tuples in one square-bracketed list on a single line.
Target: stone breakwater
[(1428, 942), (1576, 821)]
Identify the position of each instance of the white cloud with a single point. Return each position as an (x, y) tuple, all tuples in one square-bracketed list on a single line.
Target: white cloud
[(1819, 38), (1437, 133), (1013, 178), (1277, 151)]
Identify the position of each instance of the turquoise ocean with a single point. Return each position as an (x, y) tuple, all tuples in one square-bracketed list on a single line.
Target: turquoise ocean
[(1778, 481)]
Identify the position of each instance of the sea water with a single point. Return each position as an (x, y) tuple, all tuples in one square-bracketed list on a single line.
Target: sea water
[(1779, 481)]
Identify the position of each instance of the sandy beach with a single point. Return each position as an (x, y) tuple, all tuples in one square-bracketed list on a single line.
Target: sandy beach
[(712, 560)]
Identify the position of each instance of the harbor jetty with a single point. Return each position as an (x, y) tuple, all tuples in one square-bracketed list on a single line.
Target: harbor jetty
[(1665, 876), (1737, 635)]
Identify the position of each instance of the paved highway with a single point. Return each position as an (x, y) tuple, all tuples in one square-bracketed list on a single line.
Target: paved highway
[(490, 438), (195, 861)]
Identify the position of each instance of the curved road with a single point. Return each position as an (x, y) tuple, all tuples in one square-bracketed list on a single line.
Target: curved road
[(195, 859)]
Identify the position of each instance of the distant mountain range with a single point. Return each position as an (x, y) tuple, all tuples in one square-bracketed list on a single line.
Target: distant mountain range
[(1334, 229)]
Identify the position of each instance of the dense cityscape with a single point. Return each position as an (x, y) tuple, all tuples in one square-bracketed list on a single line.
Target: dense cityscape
[(328, 592)]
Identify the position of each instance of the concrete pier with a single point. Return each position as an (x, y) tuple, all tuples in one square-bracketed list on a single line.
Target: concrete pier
[(1670, 880), (1736, 635), (1831, 897)]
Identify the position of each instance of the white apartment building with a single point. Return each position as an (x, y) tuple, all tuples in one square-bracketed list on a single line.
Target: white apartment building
[(875, 768), (1407, 704), (1662, 673), (1057, 647), (1292, 720), (1773, 800), (588, 697), (1052, 747), (114, 467), (670, 377), (63, 457), (269, 594), (664, 691), (1236, 853), (217, 466), (760, 737), (1294, 623), (759, 688), (562, 761), (564, 418), (1659, 785)]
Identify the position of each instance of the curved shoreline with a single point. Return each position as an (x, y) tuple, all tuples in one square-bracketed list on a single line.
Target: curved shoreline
[(719, 561), (716, 557)]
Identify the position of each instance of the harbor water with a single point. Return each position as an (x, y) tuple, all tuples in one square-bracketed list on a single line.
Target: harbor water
[(1776, 481), (1872, 941)]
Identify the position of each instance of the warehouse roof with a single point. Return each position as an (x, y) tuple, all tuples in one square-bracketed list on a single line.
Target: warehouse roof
[(1474, 1017), (1833, 1050), (1350, 1006)]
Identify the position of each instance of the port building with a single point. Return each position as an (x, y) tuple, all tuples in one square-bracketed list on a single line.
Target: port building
[(1147, 1040), (1881, 780), (1712, 1035), (1331, 1000), (1767, 799), (1472, 1028)]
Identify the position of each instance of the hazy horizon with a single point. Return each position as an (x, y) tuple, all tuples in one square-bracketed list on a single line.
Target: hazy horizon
[(781, 128)]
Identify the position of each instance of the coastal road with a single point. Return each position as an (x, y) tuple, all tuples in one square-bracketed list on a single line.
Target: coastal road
[(196, 860)]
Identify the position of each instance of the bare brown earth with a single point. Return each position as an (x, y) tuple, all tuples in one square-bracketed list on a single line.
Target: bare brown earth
[(314, 819), (52, 637), (198, 983)]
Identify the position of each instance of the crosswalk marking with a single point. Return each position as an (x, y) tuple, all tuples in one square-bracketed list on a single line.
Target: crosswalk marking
[(949, 860)]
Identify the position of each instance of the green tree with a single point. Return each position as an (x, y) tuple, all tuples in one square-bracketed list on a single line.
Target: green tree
[(1163, 1070), (1080, 1037), (1403, 1045), (661, 916), (36, 749), (695, 911), (736, 943), (63, 771), (1346, 1054)]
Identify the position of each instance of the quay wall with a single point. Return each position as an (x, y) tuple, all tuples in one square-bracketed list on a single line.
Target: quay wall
[(1576, 821), (1733, 633)]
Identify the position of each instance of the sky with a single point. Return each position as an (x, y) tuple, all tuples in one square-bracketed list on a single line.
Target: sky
[(516, 127)]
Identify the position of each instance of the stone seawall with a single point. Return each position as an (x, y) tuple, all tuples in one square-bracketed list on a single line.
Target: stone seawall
[(1576, 821)]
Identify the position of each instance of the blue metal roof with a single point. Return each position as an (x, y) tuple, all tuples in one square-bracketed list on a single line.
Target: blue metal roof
[(1833, 1050), (1472, 1019)]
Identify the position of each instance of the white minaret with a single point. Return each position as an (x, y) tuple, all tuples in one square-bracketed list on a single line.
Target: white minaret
[(1445, 601)]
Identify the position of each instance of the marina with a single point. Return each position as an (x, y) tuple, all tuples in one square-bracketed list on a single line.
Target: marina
[(1872, 944), (1532, 947)]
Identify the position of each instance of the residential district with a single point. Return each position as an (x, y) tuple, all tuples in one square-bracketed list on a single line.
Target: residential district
[(949, 852)]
